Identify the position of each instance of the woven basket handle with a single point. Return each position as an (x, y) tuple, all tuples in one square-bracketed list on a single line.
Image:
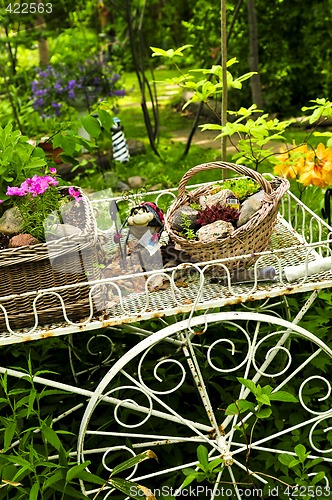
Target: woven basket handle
[(240, 169)]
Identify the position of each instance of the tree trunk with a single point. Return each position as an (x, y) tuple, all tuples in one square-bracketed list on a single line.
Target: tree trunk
[(256, 89), (44, 55)]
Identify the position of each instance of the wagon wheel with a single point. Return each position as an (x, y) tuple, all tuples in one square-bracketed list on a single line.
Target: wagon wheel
[(170, 394)]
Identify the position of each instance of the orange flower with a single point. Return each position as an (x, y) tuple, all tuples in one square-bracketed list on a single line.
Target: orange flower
[(307, 166)]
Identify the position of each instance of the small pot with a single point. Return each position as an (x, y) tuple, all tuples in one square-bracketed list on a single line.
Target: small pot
[(52, 153)]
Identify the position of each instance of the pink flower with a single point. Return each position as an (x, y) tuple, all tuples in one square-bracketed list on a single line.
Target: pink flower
[(1, 201), (74, 193), (15, 191), (52, 170)]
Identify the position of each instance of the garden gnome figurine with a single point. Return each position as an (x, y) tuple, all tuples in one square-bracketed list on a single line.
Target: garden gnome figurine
[(120, 147)]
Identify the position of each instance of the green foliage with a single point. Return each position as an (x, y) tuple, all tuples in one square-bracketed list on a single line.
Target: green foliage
[(206, 470), (320, 111), (28, 439), (18, 159), (188, 232), (253, 135), (242, 188), (263, 395), (204, 89), (299, 468)]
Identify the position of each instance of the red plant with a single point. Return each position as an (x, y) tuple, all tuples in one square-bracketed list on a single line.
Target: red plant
[(217, 212)]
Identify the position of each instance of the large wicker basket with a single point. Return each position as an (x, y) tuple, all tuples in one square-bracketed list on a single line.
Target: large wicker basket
[(250, 238), (69, 260)]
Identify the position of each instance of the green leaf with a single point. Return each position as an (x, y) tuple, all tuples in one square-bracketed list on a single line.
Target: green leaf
[(133, 490), (189, 479), (263, 399), (293, 463), (241, 405), (16, 459), (105, 119), (301, 452), (214, 463), (202, 455), (284, 396), (9, 434), (32, 398), (91, 125), (74, 471), (249, 384), (51, 436), (34, 492), (285, 459), (318, 477), (57, 476), (131, 462), (69, 490), (89, 477), (263, 413)]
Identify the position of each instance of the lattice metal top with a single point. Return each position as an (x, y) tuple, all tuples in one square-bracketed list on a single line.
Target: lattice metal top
[(300, 238)]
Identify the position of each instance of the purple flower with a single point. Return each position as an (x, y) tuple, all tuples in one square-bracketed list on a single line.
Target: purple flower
[(52, 170), (71, 84), (58, 84), (119, 92)]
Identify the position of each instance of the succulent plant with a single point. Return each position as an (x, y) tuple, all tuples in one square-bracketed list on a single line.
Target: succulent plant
[(217, 212)]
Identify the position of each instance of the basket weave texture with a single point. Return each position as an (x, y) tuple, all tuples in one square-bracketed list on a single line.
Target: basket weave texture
[(251, 238), (68, 260)]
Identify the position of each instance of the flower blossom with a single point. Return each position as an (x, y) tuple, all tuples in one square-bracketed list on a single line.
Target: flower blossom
[(15, 191), (35, 185), (307, 166), (74, 193)]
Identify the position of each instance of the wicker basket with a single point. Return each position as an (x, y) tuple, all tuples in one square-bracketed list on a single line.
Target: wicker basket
[(250, 238), (68, 260)]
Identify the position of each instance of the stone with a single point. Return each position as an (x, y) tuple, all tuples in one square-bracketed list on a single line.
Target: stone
[(11, 221), (215, 231), (218, 198), (122, 186), (135, 181), (60, 231), (249, 207), (22, 240), (189, 213)]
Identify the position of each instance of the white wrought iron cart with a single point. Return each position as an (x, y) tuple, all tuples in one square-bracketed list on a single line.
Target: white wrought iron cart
[(194, 362)]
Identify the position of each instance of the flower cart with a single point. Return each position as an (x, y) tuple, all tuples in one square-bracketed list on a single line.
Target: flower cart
[(202, 358)]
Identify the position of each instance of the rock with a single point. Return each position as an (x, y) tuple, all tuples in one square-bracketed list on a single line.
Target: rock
[(215, 199), (249, 207), (215, 231), (135, 181), (61, 230), (135, 147), (22, 240), (189, 213), (122, 186), (11, 221), (110, 178)]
